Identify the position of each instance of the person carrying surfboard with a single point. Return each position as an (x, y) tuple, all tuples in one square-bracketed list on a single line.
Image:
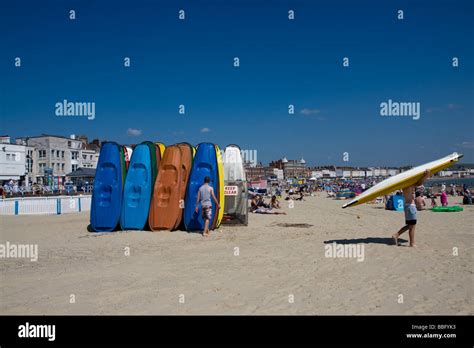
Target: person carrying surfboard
[(410, 211), (204, 197)]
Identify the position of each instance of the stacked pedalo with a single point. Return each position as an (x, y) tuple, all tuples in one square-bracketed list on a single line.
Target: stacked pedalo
[(155, 187)]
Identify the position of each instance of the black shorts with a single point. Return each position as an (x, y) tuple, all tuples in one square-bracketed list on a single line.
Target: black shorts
[(410, 222)]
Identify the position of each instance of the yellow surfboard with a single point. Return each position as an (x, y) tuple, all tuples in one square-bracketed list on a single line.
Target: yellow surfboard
[(221, 198), (403, 180)]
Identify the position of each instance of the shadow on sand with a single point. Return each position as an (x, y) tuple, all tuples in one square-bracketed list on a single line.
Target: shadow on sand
[(146, 229), (368, 240)]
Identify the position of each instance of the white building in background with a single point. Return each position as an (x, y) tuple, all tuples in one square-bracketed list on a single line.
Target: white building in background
[(323, 172), (89, 158), (57, 155), (358, 173), (329, 173), (278, 173), (12, 160), (393, 171), (445, 173), (346, 173)]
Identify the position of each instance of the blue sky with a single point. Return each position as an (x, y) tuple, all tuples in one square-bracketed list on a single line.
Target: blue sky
[(282, 62)]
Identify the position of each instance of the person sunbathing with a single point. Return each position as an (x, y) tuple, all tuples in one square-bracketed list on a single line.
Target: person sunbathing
[(254, 203), (275, 203), (263, 210), (261, 203)]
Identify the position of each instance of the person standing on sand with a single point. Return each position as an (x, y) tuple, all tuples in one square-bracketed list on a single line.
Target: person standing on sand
[(444, 198), (410, 211), (204, 197)]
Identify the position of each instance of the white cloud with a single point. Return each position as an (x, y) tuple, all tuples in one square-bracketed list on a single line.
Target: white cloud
[(454, 106), (467, 144), (134, 132), (307, 111), (205, 130)]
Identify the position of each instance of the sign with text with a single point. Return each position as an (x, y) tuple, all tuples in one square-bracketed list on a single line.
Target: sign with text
[(230, 190)]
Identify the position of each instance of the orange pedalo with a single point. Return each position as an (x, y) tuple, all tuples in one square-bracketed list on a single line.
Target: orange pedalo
[(166, 208)]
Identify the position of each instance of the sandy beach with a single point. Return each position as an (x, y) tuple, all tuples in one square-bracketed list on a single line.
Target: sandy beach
[(280, 268)]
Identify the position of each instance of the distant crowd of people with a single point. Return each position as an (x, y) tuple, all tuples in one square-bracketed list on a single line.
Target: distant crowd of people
[(259, 204), (268, 201), (423, 192), (265, 201), (13, 188), (453, 191)]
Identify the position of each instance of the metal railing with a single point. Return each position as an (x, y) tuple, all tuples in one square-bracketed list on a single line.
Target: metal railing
[(45, 205)]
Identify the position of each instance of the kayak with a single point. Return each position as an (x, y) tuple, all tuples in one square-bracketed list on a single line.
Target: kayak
[(107, 194)]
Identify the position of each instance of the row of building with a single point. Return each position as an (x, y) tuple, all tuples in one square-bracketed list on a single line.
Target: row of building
[(39, 158), (287, 169)]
